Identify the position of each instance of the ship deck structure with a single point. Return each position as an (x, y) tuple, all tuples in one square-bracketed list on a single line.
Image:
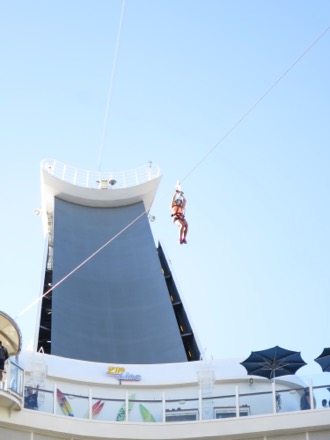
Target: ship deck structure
[(115, 354)]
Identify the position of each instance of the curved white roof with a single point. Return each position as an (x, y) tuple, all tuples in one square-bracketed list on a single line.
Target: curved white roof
[(10, 334)]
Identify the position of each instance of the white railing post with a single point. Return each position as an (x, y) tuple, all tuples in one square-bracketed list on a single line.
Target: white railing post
[(52, 167), (90, 404), (200, 404), (274, 396), (311, 393), (126, 407), (164, 407), (237, 400), (54, 398), (6, 376)]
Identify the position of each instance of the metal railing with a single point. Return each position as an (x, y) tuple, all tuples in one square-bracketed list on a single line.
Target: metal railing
[(141, 405), (13, 378), (161, 407), (101, 179)]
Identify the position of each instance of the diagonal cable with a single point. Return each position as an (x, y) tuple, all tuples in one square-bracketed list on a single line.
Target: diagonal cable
[(187, 175)]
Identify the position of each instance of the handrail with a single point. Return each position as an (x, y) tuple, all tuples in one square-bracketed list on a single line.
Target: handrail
[(85, 405), (14, 378), (101, 179), (219, 402)]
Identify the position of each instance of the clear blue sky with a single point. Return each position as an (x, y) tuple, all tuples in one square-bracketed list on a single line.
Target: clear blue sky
[(255, 272)]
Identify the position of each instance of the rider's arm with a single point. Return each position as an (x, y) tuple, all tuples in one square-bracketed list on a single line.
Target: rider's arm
[(184, 201), (173, 200)]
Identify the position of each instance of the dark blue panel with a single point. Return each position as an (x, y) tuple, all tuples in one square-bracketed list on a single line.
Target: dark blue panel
[(116, 307)]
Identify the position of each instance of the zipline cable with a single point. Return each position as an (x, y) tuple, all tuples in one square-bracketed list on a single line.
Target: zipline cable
[(184, 178), (81, 264), (254, 105), (107, 110)]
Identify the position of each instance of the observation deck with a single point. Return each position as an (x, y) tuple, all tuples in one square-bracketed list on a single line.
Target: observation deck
[(101, 189)]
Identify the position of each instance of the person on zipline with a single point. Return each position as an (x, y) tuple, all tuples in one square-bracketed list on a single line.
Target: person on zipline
[(177, 207)]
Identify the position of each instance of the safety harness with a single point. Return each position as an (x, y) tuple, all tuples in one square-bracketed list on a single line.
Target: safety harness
[(177, 215)]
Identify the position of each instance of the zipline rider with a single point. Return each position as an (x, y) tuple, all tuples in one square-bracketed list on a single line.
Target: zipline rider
[(177, 207)]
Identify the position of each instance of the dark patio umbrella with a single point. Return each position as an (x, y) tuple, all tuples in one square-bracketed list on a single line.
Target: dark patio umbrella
[(273, 362), (324, 359)]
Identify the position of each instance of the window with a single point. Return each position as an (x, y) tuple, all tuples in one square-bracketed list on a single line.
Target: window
[(230, 411), (181, 415)]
